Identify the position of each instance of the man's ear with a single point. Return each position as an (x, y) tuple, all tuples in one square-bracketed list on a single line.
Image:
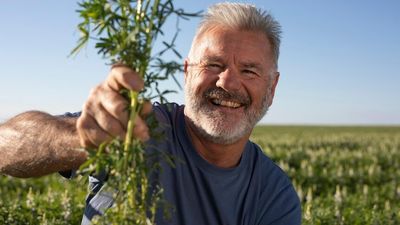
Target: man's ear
[(186, 67), (274, 83)]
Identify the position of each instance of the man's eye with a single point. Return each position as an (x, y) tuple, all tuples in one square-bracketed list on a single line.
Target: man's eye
[(214, 67), (250, 72)]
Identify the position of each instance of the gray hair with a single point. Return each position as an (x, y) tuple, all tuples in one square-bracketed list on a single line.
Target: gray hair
[(244, 17)]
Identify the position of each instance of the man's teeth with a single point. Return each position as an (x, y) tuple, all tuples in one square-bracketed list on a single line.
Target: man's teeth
[(226, 103)]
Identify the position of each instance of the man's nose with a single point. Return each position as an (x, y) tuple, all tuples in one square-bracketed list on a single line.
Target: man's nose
[(229, 80)]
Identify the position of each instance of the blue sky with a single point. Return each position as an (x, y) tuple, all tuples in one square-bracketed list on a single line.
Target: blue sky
[(339, 64)]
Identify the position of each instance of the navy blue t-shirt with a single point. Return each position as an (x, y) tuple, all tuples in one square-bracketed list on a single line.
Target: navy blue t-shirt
[(256, 191)]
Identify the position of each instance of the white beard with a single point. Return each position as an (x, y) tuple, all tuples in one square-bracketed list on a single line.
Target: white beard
[(217, 127)]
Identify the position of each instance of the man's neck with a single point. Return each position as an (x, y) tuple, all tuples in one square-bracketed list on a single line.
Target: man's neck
[(220, 155)]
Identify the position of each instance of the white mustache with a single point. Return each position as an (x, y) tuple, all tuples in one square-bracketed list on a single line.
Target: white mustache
[(221, 94)]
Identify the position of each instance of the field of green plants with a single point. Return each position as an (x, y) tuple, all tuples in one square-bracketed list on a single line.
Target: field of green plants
[(343, 175)]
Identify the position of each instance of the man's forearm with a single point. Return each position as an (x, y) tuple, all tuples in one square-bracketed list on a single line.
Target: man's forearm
[(35, 144)]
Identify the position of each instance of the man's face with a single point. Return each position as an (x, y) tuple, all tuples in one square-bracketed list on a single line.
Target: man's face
[(230, 81)]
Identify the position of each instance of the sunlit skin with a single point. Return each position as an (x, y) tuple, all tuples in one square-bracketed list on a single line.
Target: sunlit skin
[(240, 63)]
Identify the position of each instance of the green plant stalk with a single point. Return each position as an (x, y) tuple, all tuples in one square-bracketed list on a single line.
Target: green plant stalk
[(142, 70), (135, 108), (132, 119)]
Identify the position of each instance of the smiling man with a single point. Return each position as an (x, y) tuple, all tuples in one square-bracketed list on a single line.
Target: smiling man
[(230, 80), (230, 83)]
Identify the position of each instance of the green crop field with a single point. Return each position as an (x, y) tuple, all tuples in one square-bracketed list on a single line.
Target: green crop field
[(343, 175)]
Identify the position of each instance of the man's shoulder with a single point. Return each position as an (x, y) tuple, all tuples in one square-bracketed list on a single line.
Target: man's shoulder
[(266, 164), (273, 179), (277, 195), (166, 111)]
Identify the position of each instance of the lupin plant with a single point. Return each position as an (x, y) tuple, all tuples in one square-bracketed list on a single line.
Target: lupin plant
[(125, 32)]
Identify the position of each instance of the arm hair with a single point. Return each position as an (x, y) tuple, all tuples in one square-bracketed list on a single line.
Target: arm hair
[(34, 144)]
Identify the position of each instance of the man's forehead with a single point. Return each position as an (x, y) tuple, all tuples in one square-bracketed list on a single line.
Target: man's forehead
[(218, 33), (223, 39), (249, 49)]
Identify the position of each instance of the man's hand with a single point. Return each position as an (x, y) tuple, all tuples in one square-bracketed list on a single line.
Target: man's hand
[(105, 115)]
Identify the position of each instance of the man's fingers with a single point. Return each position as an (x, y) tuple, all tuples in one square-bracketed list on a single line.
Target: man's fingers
[(90, 133), (105, 114), (146, 109), (116, 106), (123, 77), (108, 123), (141, 131)]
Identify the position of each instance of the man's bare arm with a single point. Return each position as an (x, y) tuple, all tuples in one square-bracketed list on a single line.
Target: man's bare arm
[(34, 144)]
